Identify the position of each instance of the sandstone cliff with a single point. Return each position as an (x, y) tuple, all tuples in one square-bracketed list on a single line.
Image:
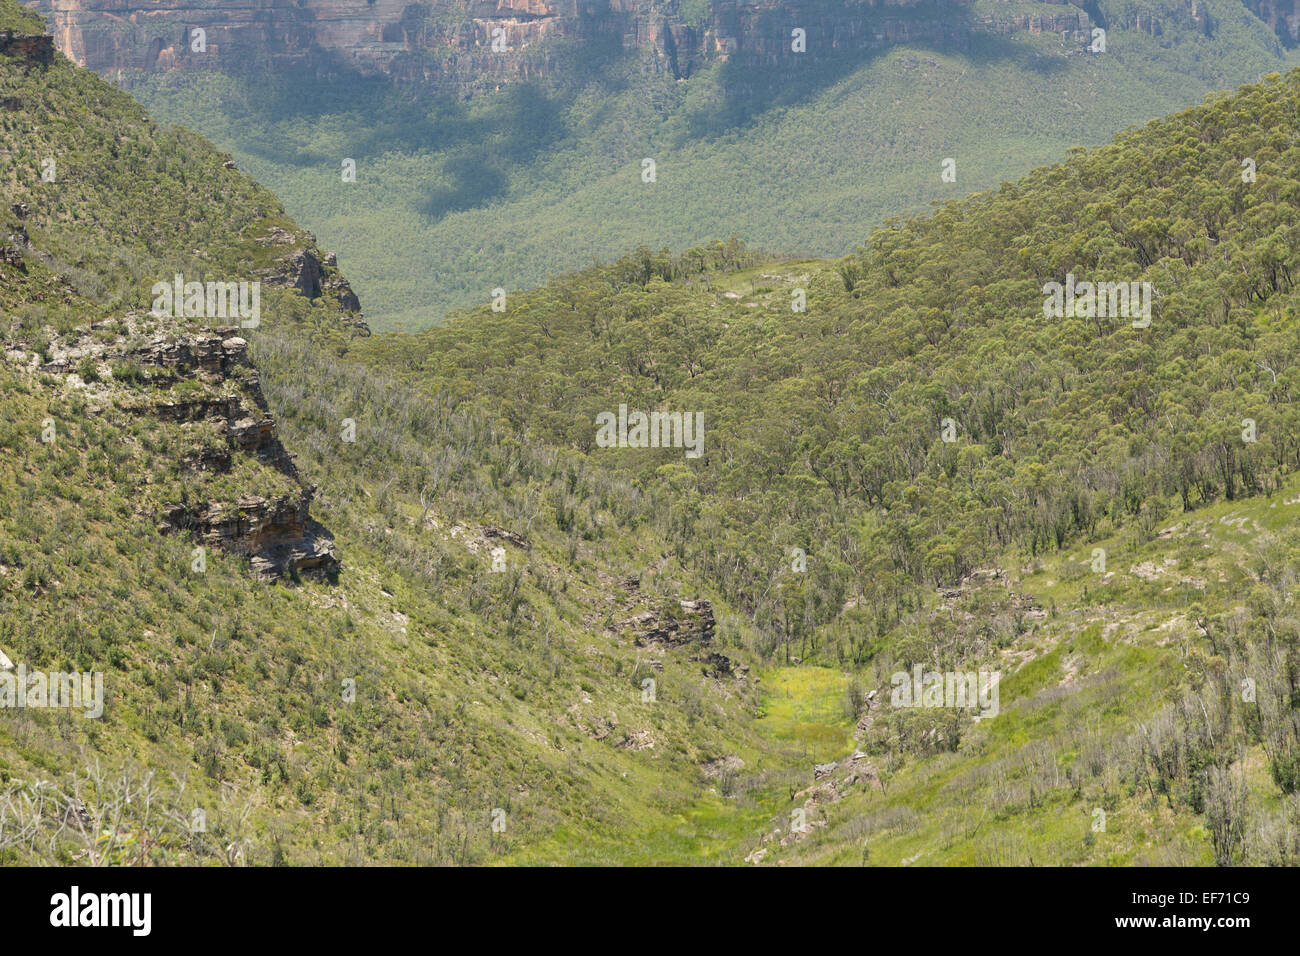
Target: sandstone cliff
[(462, 46), (1283, 16), (450, 43)]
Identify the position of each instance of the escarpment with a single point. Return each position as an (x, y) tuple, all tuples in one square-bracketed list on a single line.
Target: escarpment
[(201, 409), (464, 46)]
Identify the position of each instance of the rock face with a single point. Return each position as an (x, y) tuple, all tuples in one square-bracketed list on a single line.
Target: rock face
[(695, 624), (1283, 16), (278, 534), (305, 271), (27, 48), (462, 46), (217, 353), (466, 46), (199, 383)]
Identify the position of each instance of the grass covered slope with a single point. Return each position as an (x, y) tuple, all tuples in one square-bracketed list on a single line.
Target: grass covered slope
[(454, 199), (512, 663), (438, 700), (1125, 736)]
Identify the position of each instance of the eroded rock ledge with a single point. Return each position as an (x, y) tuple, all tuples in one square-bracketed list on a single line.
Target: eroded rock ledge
[(694, 625), (199, 383), (277, 534), (28, 48)]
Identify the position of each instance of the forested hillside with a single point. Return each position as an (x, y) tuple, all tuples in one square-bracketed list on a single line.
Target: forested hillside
[(494, 637), (831, 419), (806, 152), (470, 677), (924, 418)]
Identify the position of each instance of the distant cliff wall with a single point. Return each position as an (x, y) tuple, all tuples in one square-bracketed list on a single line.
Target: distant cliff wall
[(1282, 15), (463, 45), (451, 42)]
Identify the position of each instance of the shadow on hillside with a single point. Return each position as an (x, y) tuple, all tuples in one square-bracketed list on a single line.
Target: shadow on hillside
[(750, 87), (479, 141)]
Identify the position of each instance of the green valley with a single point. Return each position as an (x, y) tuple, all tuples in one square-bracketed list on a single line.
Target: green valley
[(377, 597)]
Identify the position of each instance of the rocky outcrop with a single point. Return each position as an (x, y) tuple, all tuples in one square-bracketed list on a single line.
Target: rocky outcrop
[(277, 534), (366, 34), (1189, 14), (33, 49), (215, 354), (493, 533), (694, 624), (301, 271), (720, 667), (335, 285), (200, 383), (309, 274)]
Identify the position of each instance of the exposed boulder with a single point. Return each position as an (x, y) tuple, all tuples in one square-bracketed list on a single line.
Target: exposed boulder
[(491, 532), (719, 666), (278, 534), (695, 624)]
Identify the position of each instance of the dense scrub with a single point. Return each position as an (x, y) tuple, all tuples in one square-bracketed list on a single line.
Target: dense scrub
[(825, 429), (825, 441)]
